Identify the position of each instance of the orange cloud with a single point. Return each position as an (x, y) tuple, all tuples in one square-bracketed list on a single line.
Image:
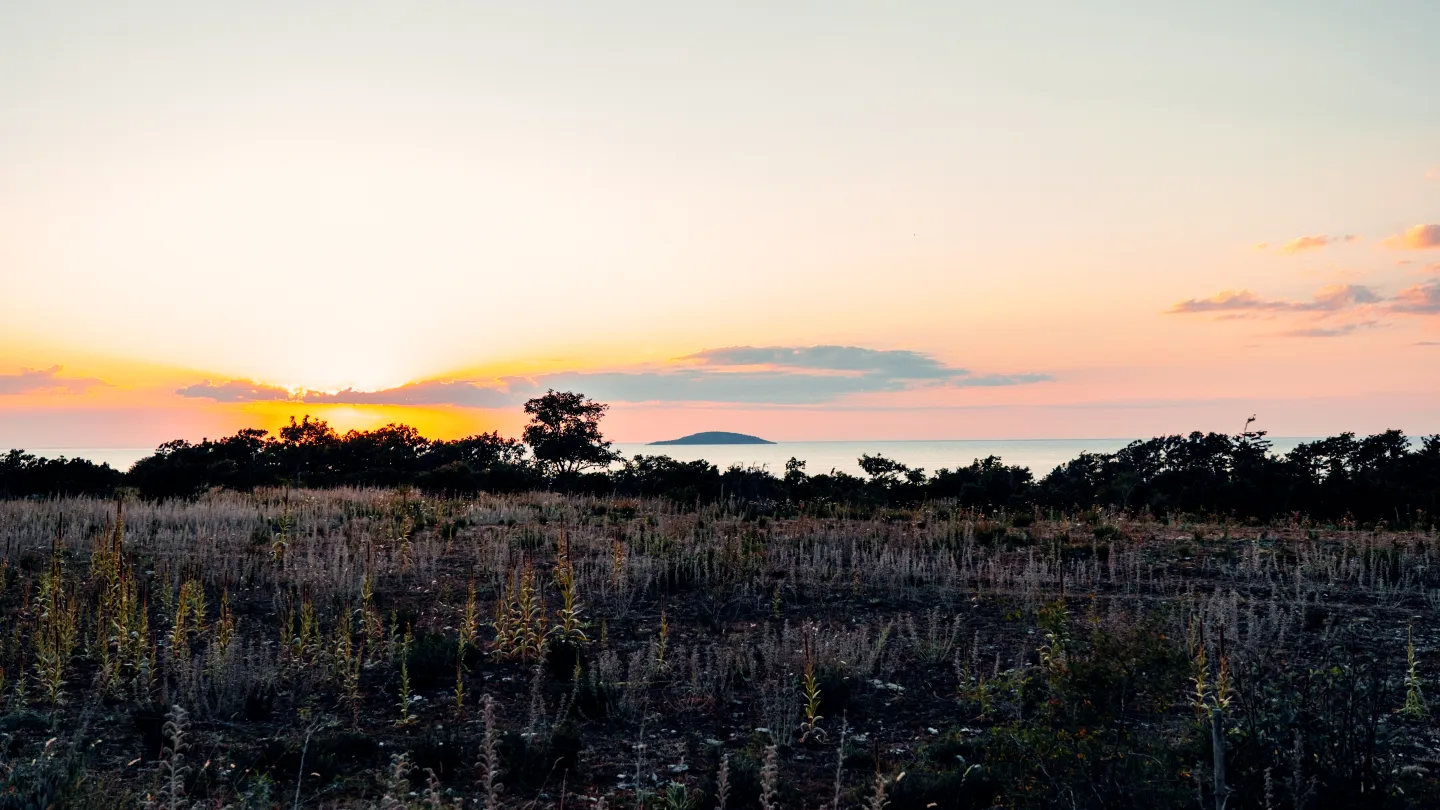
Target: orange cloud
[(1419, 237), (1314, 242)]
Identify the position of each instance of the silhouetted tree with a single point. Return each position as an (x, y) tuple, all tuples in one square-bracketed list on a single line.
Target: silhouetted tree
[(881, 469), (393, 454), (24, 475), (480, 451), (488, 462), (564, 433), (178, 469), (986, 483), (306, 451), (683, 481)]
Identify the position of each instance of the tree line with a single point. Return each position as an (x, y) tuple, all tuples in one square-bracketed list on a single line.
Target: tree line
[(1385, 477)]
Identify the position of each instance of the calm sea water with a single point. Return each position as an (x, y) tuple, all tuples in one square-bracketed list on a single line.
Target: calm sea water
[(1040, 455), (118, 457)]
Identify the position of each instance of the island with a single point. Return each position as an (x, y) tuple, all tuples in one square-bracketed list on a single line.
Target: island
[(715, 437)]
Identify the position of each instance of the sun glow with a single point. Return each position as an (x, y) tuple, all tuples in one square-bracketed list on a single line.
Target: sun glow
[(433, 423)]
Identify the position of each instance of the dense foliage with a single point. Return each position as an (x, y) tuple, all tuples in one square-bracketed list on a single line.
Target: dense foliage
[(23, 475)]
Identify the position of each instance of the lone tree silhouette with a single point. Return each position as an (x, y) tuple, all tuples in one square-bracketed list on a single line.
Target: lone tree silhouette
[(882, 469), (564, 432)]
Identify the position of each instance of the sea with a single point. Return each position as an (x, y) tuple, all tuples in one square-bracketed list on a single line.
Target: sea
[(1040, 455)]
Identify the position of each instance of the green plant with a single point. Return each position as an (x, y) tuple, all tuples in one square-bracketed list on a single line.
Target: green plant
[(56, 631), (676, 797), (662, 640), (405, 697), (520, 621), (281, 542), (465, 638), (349, 660), (811, 685), (224, 627), (1415, 706), (570, 629)]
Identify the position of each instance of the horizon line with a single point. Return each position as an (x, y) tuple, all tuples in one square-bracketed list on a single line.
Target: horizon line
[(773, 441)]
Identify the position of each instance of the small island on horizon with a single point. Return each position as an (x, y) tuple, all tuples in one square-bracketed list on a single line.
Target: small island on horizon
[(715, 437)]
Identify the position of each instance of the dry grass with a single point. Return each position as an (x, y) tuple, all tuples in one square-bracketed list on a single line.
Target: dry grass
[(620, 647)]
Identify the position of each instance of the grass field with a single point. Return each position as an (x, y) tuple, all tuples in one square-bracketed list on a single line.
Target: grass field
[(358, 648)]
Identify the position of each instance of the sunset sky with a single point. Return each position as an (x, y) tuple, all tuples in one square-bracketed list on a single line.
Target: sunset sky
[(808, 221)]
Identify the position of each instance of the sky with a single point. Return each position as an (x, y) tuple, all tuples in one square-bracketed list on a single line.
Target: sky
[(808, 221)]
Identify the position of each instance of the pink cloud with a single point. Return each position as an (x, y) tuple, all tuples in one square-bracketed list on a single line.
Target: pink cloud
[(1314, 243), (1340, 296), (1419, 237), (1223, 301), (1329, 331), (1331, 298), (1421, 299)]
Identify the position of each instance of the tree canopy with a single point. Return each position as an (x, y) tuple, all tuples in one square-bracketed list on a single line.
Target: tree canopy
[(564, 432)]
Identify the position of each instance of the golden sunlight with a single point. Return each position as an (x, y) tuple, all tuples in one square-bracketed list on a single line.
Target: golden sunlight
[(434, 422)]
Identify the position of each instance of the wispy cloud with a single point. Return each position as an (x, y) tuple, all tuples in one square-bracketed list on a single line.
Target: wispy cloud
[(1339, 296), (1304, 243), (1223, 301), (896, 362), (767, 387), (1332, 298), (1329, 331), (781, 375), (1418, 237), (777, 375), (46, 380)]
